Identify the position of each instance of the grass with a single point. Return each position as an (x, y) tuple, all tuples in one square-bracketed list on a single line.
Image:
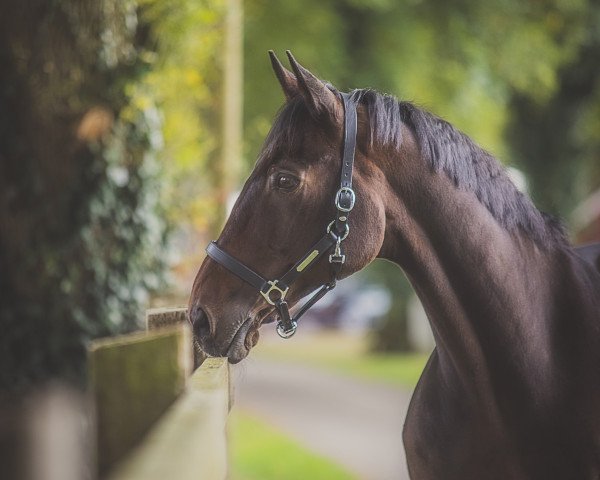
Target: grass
[(345, 354), (260, 452)]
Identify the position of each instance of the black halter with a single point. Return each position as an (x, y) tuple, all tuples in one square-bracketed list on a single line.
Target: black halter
[(275, 291)]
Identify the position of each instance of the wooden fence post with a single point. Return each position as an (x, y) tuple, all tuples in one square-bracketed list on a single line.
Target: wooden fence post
[(134, 379), (189, 441)]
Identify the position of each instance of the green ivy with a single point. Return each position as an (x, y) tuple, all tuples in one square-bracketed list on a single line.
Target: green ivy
[(81, 224)]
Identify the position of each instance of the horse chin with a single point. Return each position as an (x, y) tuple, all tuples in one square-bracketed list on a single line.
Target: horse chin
[(244, 339)]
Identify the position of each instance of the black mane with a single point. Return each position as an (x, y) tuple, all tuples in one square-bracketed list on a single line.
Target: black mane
[(466, 164), (446, 149)]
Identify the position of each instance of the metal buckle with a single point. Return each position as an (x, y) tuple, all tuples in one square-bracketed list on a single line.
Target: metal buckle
[(338, 196), (274, 286), (346, 232)]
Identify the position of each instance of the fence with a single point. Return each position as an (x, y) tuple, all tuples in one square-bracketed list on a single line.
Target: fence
[(154, 419)]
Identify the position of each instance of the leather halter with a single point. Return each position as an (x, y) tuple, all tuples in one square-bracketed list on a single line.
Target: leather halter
[(275, 291)]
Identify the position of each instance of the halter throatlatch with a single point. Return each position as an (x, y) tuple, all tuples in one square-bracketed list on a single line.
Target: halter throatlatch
[(275, 291)]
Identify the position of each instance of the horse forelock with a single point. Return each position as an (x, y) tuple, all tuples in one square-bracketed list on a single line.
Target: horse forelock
[(287, 133)]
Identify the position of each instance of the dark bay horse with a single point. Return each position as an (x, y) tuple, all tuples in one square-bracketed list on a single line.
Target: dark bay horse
[(512, 389)]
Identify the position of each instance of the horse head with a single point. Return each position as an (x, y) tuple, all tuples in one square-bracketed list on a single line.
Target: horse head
[(285, 207)]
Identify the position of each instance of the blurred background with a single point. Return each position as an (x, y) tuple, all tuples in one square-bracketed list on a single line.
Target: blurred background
[(128, 126)]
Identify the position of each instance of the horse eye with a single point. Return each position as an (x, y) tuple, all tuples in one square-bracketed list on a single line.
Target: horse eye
[(285, 181)]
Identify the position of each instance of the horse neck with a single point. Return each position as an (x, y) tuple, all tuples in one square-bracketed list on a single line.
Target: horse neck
[(484, 288)]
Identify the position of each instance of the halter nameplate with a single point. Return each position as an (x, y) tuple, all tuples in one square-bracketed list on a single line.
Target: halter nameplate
[(307, 261)]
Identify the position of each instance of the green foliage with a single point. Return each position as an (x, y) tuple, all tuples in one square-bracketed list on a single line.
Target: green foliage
[(464, 60), (557, 142), (79, 219), (185, 80), (543, 56), (314, 32), (125, 228)]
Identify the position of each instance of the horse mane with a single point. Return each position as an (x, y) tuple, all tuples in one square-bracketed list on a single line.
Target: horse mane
[(469, 166), (445, 148)]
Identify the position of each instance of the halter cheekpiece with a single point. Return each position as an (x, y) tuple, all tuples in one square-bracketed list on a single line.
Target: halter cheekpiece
[(275, 291)]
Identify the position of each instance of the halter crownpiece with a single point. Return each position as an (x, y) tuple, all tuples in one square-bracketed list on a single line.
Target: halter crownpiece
[(275, 291)]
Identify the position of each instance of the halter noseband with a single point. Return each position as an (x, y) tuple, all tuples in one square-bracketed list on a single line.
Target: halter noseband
[(275, 291)]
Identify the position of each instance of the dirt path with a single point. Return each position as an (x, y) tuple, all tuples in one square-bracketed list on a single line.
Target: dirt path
[(357, 424)]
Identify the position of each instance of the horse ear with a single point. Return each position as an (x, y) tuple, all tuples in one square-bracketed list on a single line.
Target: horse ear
[(288, 81), (320, 99)]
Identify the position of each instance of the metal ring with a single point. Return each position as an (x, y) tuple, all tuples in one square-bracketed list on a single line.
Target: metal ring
[(343, 237), (285, 333), (338, 196)]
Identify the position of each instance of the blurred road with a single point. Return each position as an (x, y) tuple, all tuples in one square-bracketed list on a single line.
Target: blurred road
[(356, 423)]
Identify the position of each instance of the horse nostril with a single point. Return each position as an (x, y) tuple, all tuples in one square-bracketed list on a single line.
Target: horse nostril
[(200, 323)]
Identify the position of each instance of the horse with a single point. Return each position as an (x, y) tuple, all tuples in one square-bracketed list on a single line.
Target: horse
[(512, 388)]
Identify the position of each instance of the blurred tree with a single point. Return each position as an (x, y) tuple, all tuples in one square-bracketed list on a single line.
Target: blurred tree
[(544, 58), (312, 29), (391, 332), (195, 79), (186, 82), (557, 142), (79, 220)]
